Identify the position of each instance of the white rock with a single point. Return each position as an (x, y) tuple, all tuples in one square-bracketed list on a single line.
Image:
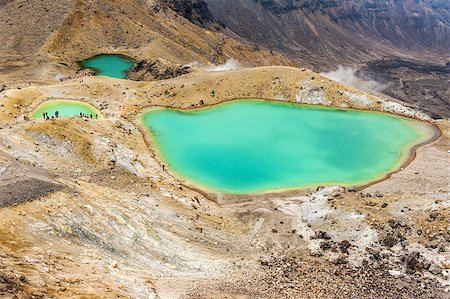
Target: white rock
[(358, 100), (309, 93), (397, 108), (395, 273)]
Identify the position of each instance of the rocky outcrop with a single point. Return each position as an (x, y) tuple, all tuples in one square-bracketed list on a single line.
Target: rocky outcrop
[(20, 183), (196, 11), (156, 69)]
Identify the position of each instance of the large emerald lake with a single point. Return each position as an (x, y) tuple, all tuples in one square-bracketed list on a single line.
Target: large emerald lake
[(253, 146)]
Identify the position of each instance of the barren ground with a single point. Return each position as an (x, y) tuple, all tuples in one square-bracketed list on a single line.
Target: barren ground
[(95, 214)]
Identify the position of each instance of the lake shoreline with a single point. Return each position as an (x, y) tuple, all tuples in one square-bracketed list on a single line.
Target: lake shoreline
[(431, 135)]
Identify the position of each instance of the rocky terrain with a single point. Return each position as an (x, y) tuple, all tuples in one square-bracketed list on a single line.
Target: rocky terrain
[(156, 69), (88, 211), (196, 11), (340, 31), (363, 34), (425, 86)]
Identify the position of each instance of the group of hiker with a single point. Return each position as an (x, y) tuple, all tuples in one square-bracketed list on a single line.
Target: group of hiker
[(82, 115), (88, 115), (47, 117)]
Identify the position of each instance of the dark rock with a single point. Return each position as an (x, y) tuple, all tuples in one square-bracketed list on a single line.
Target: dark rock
[(384, 205), (344, 246), (389, 241), (433, 216), (352, 189), (393, 223), (442, 248), (9, 284), (375, 254), (321, 235), (325, 245), (340, 261), (412, 262)]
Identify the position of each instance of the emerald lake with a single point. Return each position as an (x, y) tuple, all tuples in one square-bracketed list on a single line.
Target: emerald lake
[(255, 146), (109, 65)]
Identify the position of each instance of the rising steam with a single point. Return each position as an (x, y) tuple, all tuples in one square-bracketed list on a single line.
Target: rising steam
[(347, 75), (230, 64)]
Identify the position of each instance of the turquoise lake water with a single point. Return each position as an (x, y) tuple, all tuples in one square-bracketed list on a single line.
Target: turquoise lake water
[(252, 146), (109, 65), (66, 108)]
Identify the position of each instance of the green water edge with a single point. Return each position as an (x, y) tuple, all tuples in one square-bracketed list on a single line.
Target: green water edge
[(66, 108), (109, 65), (421, 132)]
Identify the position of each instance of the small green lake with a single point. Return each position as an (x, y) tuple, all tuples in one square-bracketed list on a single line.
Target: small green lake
[(109, 65), (254, 146), (65, 108)]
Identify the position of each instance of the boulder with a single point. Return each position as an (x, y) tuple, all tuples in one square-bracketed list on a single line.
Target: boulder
[(389, 241)]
